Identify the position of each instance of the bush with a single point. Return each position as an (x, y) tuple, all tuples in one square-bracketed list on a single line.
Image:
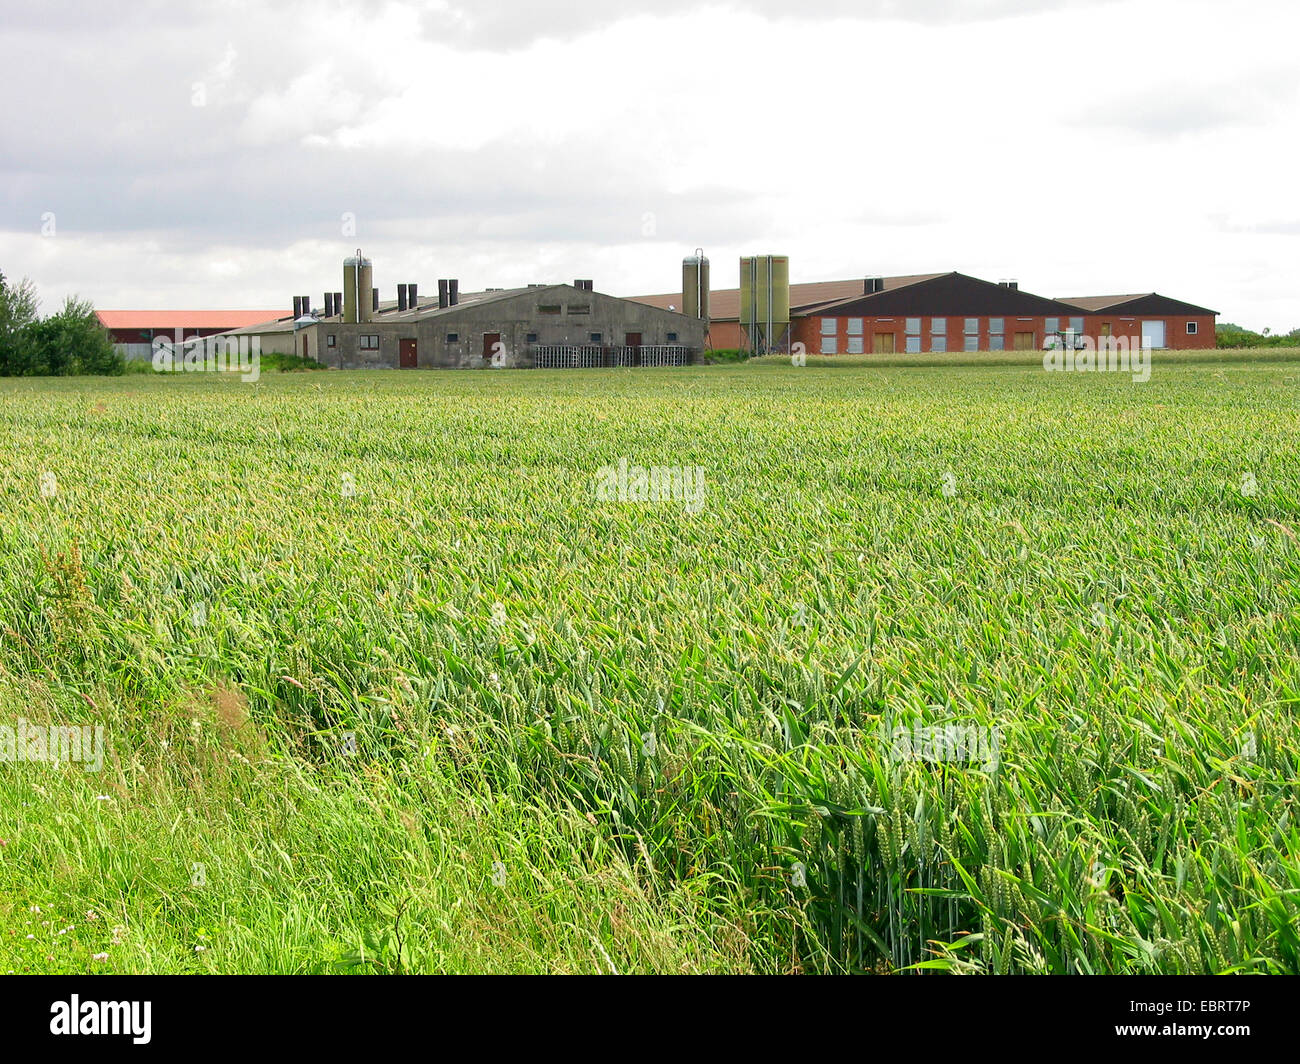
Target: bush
[(287, 363), (1229, 335), (69, 342)]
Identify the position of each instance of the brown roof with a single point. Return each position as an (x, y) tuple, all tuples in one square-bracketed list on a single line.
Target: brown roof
[(1100, 302), (1145, 303), (724, 303)]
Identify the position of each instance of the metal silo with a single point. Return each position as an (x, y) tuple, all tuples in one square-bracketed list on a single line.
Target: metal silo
[(765, 301), (748, 318), (695, 286), (778, 286), (357, 282)]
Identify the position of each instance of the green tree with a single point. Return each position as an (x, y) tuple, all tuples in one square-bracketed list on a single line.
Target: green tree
[(72, 342), (18, 303), (69, 342)]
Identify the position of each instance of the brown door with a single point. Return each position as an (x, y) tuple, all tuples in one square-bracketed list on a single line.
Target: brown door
[(1024, 341), (406, 354), (490, 341), (633, 340), (883, 343), (304, 345)]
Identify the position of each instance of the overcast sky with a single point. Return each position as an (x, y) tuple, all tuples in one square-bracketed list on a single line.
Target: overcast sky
[(194, 155)]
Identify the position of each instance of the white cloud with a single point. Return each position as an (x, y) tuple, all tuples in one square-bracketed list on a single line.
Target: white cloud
[(1079, 146)]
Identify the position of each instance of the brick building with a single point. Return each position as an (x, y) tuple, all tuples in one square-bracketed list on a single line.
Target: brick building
[(938, 312)]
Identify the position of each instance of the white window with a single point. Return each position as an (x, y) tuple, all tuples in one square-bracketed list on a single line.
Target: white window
[(938, 326), (997, 326), (996, 342), (855, 345), (938, 343), (973, 343), (1076, 326), (913, 345), (830, 326), (914, 327), (829, 345), (329, 340), (369, 342), (1051, 325), (855, 326), (1191, 328), (972, 327)]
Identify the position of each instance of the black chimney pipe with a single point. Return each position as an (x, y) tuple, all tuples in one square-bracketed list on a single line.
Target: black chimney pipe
[(412, 300), (374, 300), (442, 293), (329, 304), (453, 291), (401, 298), (297, 307)]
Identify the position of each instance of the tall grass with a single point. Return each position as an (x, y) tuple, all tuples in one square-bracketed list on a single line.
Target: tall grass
[(671, 722)]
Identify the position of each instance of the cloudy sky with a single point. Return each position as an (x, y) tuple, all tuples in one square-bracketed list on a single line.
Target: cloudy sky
[(229, 154)]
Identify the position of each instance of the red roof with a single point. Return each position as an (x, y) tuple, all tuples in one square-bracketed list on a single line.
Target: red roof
[(186, 319)]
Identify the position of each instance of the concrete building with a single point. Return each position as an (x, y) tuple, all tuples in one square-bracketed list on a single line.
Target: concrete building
[(936, 312), (545, 326)]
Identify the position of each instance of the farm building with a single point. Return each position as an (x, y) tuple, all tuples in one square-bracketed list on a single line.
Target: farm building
[(1152, 319), (542, 325), (919, 313), (133, 331)]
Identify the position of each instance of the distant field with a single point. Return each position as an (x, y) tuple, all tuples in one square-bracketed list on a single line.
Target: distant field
[(969, 664)]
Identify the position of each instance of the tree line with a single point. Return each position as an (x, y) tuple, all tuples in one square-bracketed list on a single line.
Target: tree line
[(1229, 335), (64, 344)]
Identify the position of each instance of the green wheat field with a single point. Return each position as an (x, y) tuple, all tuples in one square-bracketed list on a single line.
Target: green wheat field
[(386, 686)]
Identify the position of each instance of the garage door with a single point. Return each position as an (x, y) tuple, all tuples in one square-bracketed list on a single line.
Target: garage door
[(1153, 334)]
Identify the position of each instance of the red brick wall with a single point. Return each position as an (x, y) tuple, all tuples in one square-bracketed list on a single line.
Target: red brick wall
[(1176, 336), (808, 332), (725, 336)]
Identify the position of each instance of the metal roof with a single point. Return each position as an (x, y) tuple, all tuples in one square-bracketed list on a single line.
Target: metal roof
[(1100, 302), (724, 303), (1138, 303), (184, 319), (388, 314)]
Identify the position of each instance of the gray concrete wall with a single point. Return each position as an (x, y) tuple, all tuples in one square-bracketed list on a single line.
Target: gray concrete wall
[(580, 315)]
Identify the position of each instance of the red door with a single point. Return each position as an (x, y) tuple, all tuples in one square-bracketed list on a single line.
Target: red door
[(633, 340), (490, 341), (406, 354)]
